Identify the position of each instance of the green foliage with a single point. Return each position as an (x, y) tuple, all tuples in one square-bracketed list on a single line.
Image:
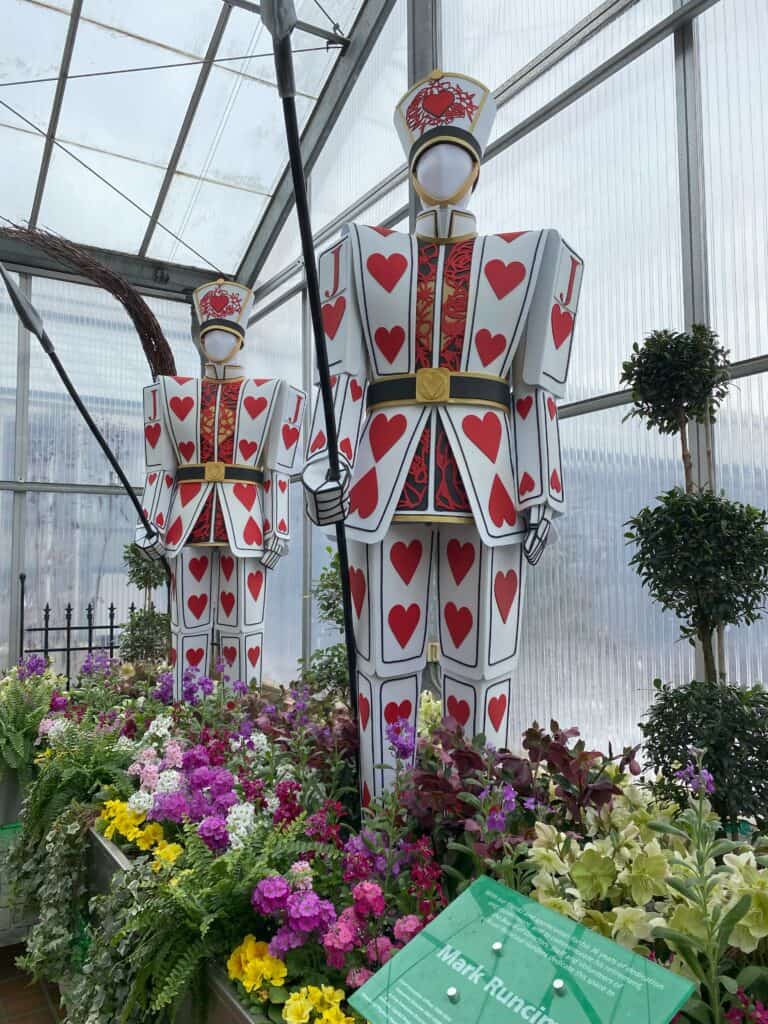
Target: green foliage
[(143, 573), (327, 671), (676, 378), (147, 636), (23, 705), (327, 592), (731, 725), (705, 558)]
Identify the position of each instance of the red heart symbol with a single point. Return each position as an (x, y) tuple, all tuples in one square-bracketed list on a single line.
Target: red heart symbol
[(282, 484), (182, 380), (504, 277), (174, 533), (355, 390), (181, 407), (218, 302), (461, 558), (173, 656), (255, 583), (290, 435), (245, 494), (152, 433), (187, 492), (496, 708), (230, 653), (527, 483), (387, 270), (253, 654), (437, 103), (510, 236), (393, 712), (282, 526), (384, 432), (458, 709), (227, 565), (159, 518), (505, 591), (500, 506), (247, 448), (227, 600), (267, 484), (333, 314), (364, 496), (346, 447), (365, 710), (389, 342), (459, 622), (403, 622), (168, 480), (255, 406), (318, 442), (485, 433), (357, 588), (198, 566), (267, 525), (551, 407), (554, 482), (405, 558), (197, 604), (524, 406), (562, 324), (252, 532), (187, 449), (151, 478), (383, 231), (195, 656), (489, 346), (366, 797), (332, 380)]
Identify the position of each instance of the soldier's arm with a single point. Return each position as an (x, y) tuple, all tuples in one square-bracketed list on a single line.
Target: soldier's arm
[(160, 473), (279, 461)]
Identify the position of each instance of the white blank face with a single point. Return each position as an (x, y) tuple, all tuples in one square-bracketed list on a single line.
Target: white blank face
[(217, 345), (443, 169)]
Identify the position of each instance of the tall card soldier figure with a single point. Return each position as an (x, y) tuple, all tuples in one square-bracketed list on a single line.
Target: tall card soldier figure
[(219, 451), (449, 351)]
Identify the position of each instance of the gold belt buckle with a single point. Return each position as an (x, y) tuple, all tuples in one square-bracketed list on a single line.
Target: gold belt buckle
[(433, 384), (214, 472)]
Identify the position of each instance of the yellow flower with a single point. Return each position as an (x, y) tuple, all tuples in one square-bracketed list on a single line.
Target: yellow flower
[(336, 1016), (151, 835), (253, 974), (253, 950), (298, 1008), (235, 964), (112, 808), (275, 971), (166, 854)]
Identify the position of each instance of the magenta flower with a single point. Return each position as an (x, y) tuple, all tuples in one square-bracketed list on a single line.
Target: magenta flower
[(379, 950), (307, 912), (358, 976), (406, 927), (271, 894), (58, 701), (368, 899), (213, 832)]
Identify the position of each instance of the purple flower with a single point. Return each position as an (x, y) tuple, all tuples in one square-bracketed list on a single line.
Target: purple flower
[(530, 803), (222, 782), (164, 689), (58, 701), (33, 665), (497, 821), (402, 738), (509, 798), (224, 801), (213, 832), (97, 663), (169, 807), (271, 894), (202, 778), (206, 685), (307, 912), (285, 939), (195, 757), (239, 688), (246, 729), (698, 781)]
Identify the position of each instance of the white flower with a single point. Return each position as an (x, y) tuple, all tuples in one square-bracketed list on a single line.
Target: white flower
[(161, 727), (168, 781), (272, 803), (124, 743), (285, 773), (58, 728), (140, 802), (240, 818)]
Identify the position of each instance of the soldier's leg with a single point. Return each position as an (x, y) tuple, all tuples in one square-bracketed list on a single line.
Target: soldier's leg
[(390, 586), (192, 597), (480, 604), (242, 596)]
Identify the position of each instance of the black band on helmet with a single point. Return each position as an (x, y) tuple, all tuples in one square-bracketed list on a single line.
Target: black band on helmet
[(227, 325), (444, 133)]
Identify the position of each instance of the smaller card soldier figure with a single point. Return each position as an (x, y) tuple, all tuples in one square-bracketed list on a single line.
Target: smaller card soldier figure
[(219, 452), (449, 351)]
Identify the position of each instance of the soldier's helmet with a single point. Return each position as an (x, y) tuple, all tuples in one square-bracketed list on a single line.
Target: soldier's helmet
[(223, 306)]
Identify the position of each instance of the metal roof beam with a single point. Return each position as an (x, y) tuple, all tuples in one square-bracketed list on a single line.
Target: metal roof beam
[(186, 125), (304, 26), (58, 99), (366, 30)]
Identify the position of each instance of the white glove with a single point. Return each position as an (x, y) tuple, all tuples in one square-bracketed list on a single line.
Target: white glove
[(326, 501), (539, 523), (274, 549)]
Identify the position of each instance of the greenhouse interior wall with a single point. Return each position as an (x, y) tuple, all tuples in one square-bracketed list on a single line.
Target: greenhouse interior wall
[(618, 171)]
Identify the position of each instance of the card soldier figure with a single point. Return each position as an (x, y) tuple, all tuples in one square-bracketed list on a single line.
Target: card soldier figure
[(219, 451), (449, 351)]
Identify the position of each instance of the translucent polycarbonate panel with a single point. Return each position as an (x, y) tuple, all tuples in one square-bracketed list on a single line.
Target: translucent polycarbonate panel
[(175, 320), (363, 146), (592, 640), (10, 587), (492, 40), (31, 45), (216, 220), (581, 173), (79, 206), (186, 27), (20, 175), (733, 41), (273, 344), (75, 556), (9, 343), (102, 354), (136, 115), (741, 445), (600, 47), (287, 248)]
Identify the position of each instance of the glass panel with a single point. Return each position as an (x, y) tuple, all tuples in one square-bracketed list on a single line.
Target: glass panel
[(363, 146), (593, 640), (20, 174), (734, 38), (9, 587), (287, 248), (742, 473), (9, 344), (101, 351), (31, 45), (77, 558), (580, 173), (160, 23)]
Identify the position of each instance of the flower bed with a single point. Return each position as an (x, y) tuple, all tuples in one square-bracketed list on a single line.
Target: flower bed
[(244, 852)]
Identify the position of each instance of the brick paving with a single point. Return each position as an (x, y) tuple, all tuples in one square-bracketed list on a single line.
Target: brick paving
[(21, 1000)]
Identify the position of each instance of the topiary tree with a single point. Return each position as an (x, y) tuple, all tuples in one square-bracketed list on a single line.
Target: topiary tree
[(326, 671), (148, 632), (704, 558)]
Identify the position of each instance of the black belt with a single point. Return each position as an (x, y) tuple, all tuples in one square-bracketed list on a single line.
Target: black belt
[(218, 473), (438, 386)]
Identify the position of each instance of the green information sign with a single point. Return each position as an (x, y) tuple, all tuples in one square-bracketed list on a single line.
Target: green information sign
[(494, 956)]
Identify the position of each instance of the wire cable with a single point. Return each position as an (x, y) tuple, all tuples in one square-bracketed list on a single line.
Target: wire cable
[(335, 25), (114, 188)]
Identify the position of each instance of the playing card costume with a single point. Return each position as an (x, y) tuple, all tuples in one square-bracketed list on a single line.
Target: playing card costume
[(448, 351), (219, 451)]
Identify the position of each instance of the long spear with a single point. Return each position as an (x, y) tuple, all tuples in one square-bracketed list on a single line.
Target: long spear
[(279, 17), (32, 320)]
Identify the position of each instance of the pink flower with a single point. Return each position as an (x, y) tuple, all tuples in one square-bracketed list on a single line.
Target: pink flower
[(369, 899), (358, 976), (406, 927), (173, 754), (379, 950), (339, 940), (148, 775)]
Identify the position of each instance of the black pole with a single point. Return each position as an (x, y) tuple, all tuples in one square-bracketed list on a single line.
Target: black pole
[(22, 587), (285, 80)]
